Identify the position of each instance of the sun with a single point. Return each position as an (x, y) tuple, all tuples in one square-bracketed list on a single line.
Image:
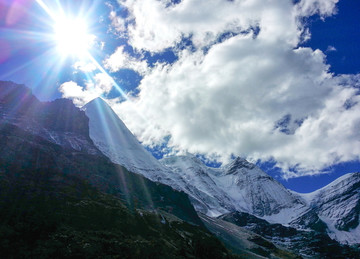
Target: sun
[(71, 37)]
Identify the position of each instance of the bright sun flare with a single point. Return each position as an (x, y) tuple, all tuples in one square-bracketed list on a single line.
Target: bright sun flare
[(72, 37)]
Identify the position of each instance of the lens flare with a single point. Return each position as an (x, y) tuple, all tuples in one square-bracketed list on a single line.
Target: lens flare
[(71, 36)]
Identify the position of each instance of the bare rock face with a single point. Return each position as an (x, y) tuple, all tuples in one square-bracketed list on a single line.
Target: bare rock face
[(58, 121)]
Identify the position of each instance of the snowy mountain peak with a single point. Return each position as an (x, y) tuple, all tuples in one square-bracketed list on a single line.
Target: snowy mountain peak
[(107, 122), (240, 186), (114, 140), (101, 106), (338, 204), (188, 159), (237, 164), (197, 181), (342, 182), (98, 101)]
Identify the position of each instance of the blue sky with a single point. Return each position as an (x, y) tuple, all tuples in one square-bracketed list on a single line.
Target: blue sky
[(275, 82)]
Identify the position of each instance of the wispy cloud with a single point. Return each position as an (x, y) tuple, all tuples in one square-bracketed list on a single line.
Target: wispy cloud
[(330, 49), (84, 67)]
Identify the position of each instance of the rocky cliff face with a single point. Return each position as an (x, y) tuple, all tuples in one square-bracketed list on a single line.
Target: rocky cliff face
[(59, 121), (308, 244)]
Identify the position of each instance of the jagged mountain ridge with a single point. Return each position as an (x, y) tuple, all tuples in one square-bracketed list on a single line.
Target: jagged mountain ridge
[(238, 186), (24, 122), (203, 191), (218, 199), (213, 192), (62, 203), (59, 200), (59, 121), (338, 204), (257, 193), (333, 209)]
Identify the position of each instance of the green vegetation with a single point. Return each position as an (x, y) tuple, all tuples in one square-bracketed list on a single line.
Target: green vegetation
[(51, 215)]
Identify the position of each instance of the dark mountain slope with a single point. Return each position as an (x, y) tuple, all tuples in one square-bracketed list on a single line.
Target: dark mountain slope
[(52, 215), (20, 150), (245, 242), (62, 203)]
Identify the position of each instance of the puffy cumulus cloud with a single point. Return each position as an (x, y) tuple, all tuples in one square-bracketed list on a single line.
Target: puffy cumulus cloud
[(229, 100), (158, 25), (76, 93), (255, 94), (322, 7), (122, 60), (100, 85)]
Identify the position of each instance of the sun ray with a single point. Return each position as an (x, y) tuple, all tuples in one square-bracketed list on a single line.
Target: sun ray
[(98, 66), (47, 9), (66, 45)]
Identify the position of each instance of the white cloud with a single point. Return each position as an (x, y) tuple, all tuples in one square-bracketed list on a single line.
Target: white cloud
[(122, 60), (331, 49), (231, 99), (76, 93), (117, 22), (101, 84), (156, 27), (322, 7), (84, 67)]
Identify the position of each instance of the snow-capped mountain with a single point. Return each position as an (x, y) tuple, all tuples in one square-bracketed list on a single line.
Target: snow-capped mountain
[(338, 204), (240, 192), (212, 191), (114, 139), (238, 186), (202, 189), (255, 192)]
